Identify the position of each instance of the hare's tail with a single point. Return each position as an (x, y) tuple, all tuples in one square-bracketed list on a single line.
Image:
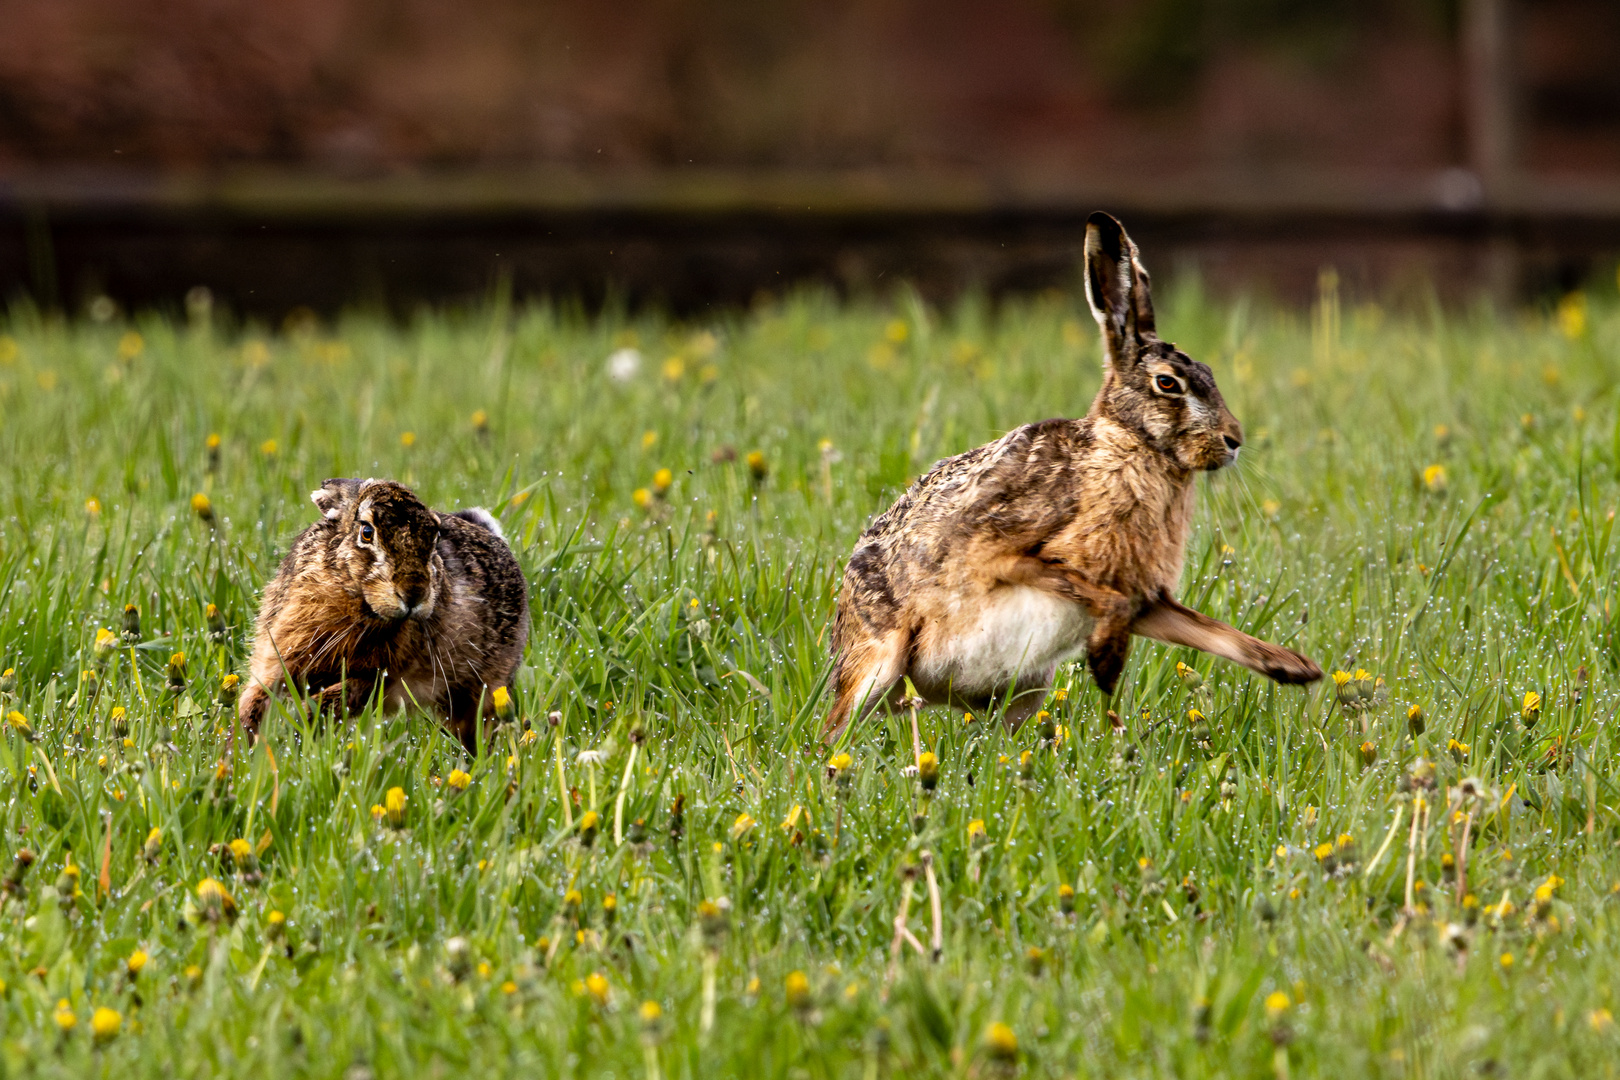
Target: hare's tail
[(479, 516)]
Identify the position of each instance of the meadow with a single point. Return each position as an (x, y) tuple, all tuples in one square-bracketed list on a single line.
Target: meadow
[(1411, 869)]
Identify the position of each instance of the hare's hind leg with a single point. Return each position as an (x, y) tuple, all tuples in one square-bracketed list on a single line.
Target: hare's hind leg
[(867, 669), (1174, 624)]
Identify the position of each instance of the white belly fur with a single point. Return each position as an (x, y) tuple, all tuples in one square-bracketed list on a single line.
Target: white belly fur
[(1008, 632)]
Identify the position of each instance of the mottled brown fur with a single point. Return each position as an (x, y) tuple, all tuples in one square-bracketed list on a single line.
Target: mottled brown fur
[(385, 594), (1063, 536)]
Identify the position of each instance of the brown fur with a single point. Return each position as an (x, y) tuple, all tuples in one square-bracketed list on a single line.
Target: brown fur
[(384, 593), (1063, 536)]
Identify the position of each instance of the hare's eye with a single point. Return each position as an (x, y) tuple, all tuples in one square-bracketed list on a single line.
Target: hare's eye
[(1167, 384), (367, 533)]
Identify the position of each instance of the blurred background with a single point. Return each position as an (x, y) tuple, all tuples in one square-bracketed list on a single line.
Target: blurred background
[(696, 152)]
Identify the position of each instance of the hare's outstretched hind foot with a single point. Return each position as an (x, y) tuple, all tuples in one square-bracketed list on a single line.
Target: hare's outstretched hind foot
[(1175, 624)]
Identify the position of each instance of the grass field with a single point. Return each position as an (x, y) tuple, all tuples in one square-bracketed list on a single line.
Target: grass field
[(1282, 883)]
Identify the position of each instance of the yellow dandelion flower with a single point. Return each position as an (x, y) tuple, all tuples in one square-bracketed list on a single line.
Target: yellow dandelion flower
[(106, 1023), (1277, 1003), (66, 1019), (1001, 1041), (268, 448), (641, 497), (394, 802), (661, 481), (458, 780), (796, 990), (92, 506), (1434, 478), (131, 345), (1572, 315), (596, 985)]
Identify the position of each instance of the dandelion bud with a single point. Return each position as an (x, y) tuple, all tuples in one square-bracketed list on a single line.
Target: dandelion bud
[(1369, 753), (1066, 898), (596, 985), (928, 770), (132, 624), (67, 882), (1366, 685), (177, 672), (1190, 678), (458, 781), (1416, 723), (480, 422), (218, 632), (713, 920), (275, 926), (588, 824), (796, 990), (1457, 750), (661, 482), (742, 826), (66, 1019), (458, 957), (242, 856), (652, 1021), (8, 680), (977, 837), (394, 807), (1036, 959), (677, 819), (89, 684), (1531, 711), (19, 723), (230, 687), (758, 467), (153, 846), (502, 699), (1026, 765), (1046, 726), (136, 964), (203, 508), (841, 771), (642, 498), (211, 446), (106, 642), (1001, 1043), (215, 902), (1345, 689)]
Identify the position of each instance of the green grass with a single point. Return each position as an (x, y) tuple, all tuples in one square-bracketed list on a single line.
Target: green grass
[(1190, 848)]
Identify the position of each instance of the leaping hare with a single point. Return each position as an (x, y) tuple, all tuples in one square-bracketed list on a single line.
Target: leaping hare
[(1062, 537)]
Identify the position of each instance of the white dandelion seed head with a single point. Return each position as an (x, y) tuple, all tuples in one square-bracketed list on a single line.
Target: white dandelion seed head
[(623, 365)]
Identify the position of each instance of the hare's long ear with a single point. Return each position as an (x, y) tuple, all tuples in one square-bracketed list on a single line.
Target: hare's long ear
[(1117, 288), (331, 496)]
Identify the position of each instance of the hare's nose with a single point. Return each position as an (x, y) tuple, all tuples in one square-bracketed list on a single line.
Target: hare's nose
[(1231, 443)]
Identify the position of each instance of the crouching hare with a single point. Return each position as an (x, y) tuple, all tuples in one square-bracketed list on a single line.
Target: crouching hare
[(385, 594), (1062, 537)]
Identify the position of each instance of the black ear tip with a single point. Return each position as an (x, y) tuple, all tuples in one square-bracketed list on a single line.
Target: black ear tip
[(1109, 234)]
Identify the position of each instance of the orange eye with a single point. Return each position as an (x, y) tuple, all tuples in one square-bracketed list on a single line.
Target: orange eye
[(1167, 385), (367, 534)]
